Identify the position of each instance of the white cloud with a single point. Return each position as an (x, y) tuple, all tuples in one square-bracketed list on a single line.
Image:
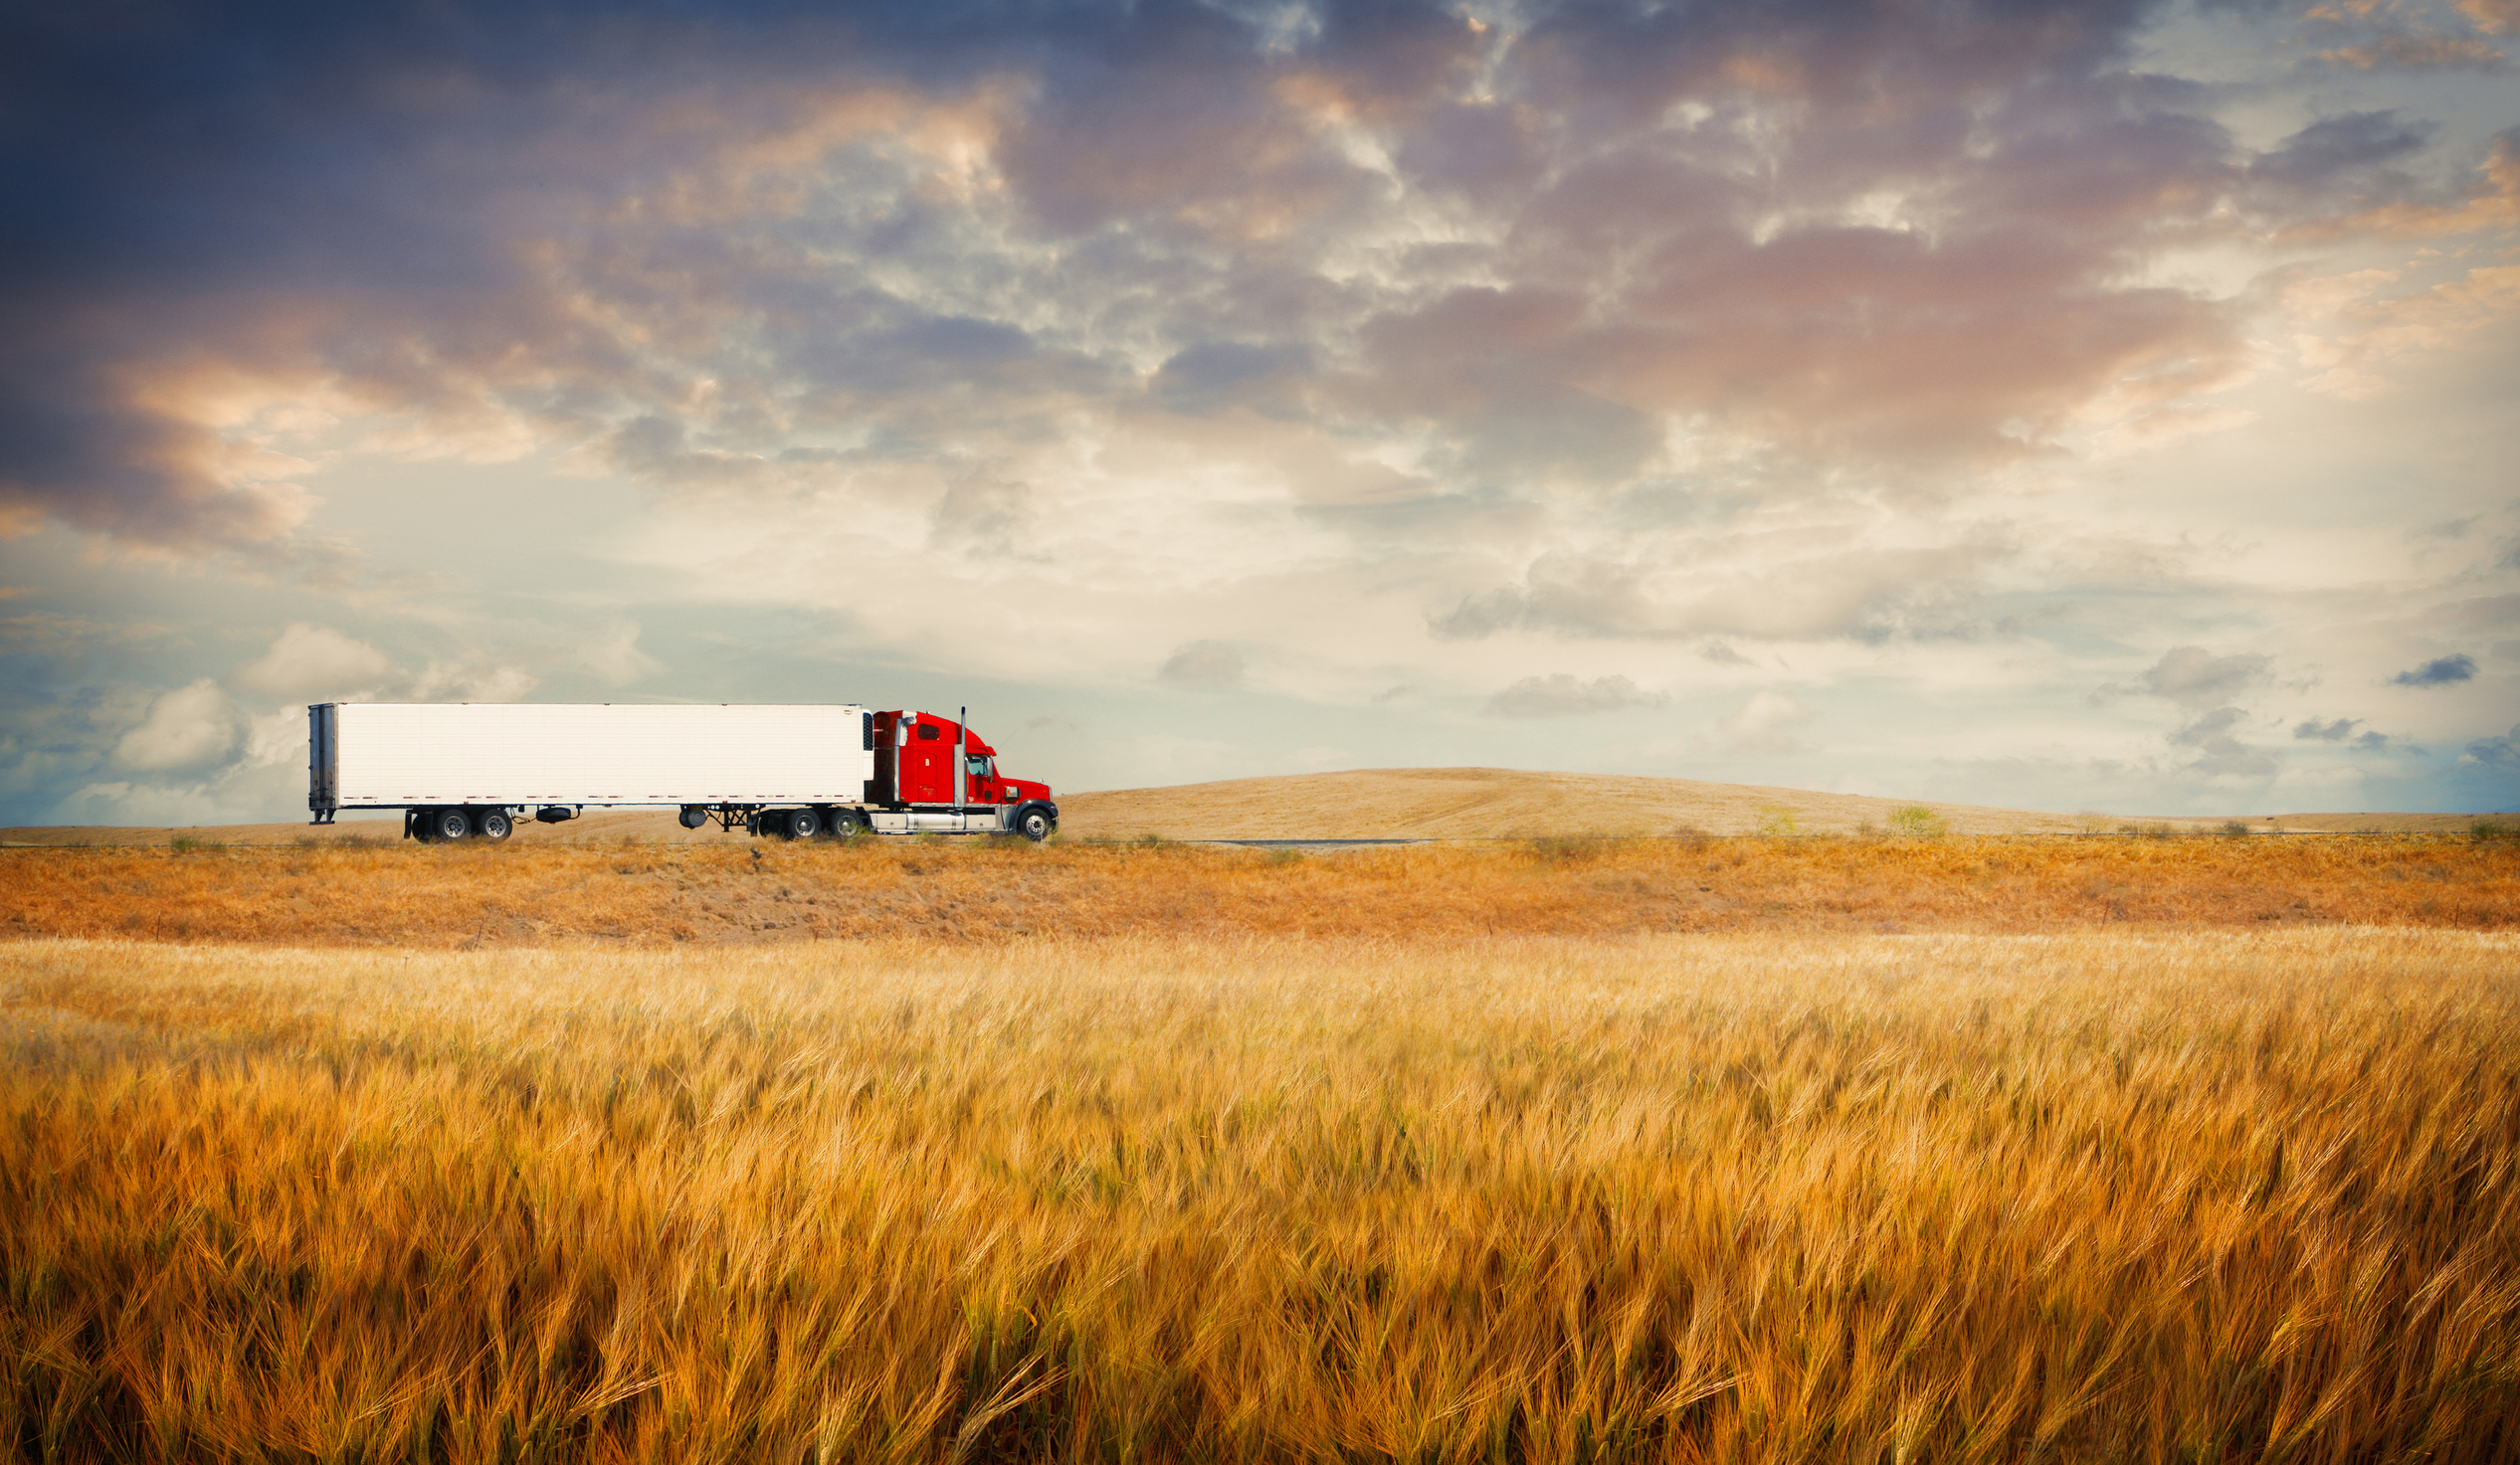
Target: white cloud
[(315, 663), (1561, 695), (472, 682), (189, 727), (275, 739), (1765, 725), (614, 656)]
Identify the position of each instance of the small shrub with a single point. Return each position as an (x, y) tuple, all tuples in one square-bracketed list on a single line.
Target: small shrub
[(2486, 829), (1777, 820), (2236, 826), (1916, 822), (190, 844)]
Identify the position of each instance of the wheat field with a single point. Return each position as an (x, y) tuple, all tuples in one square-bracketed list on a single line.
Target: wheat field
[(2177, 1195)]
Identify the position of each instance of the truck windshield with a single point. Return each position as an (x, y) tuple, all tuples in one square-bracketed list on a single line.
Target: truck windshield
[(983, 766)]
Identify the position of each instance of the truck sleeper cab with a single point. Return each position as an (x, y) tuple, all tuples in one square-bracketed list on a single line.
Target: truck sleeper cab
[(469, 770)]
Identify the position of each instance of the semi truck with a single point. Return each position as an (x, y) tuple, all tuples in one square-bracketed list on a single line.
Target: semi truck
[(471, 769)]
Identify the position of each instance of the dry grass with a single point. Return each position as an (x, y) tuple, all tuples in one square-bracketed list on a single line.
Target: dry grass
[(414, 895), (2168, 1196)]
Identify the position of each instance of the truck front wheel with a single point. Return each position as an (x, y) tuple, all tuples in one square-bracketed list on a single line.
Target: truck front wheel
[(1034, 824)]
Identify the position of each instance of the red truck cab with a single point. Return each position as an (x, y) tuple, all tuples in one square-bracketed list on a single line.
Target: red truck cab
[(987, 785), (916, 755)]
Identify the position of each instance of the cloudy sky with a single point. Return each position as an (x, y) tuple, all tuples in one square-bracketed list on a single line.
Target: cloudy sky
[(2076, 405)]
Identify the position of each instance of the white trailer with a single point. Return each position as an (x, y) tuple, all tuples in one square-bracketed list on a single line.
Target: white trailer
[(467, 770)]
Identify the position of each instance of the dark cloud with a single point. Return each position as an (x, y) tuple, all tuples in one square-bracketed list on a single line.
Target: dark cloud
[(2439, 671), (1214, 375), (2334, 147), (2500, 752), (2219, 752), (2201, 686), (1562, 696), (1494, 369), (2338, 731)]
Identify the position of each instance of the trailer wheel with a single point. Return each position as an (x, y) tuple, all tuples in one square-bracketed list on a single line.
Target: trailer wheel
[(1034, 824), (447, 824), (693, 815), (493, 824), (799, 824)]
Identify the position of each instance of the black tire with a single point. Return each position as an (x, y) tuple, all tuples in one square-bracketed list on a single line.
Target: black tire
[(844, 824), (446, 826), (693, 815), (799, 824), (493, 824), (1034, 824)]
